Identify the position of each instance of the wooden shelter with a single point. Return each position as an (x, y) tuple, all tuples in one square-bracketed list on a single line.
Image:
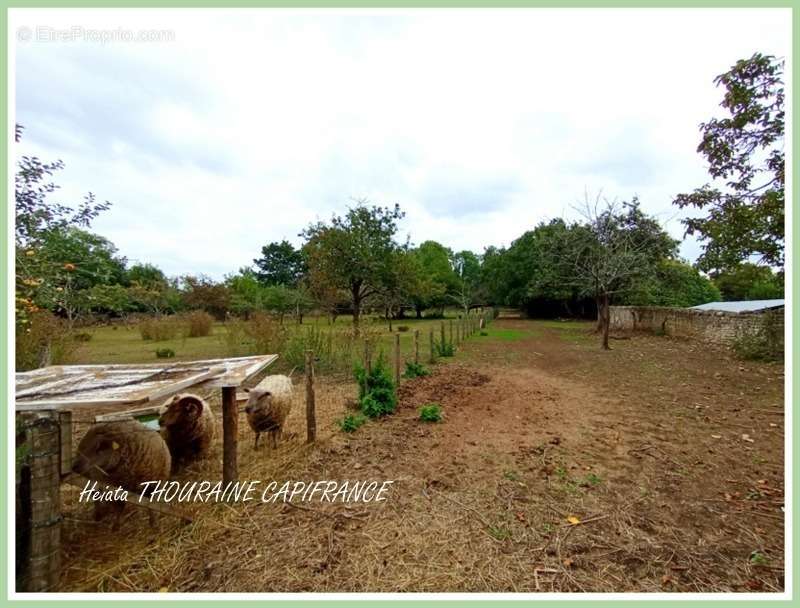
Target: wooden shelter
[(44, 401)]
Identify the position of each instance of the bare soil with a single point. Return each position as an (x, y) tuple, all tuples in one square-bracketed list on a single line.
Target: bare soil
[(657, 466)]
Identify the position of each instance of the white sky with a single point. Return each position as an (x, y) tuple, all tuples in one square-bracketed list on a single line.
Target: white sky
[(249, 124)]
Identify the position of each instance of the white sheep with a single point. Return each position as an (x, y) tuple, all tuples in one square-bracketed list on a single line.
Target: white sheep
[(268, 405)]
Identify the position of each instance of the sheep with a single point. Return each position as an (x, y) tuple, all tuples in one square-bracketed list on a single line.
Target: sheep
[(124, 453), (268, 405), (187, 427)]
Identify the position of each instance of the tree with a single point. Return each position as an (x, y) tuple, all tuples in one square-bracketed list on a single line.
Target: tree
[(203, 293), (147, 275), (467, 267), (353, 252), (749, 282), (114, 300), (39, 221), (246, 292), (399, 284), (280, 264), (745, 213), (615, 247), (279, 300), (674, 283), (437, 279)]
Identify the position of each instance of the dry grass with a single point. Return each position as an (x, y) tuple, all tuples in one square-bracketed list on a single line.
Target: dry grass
[(483, 501)]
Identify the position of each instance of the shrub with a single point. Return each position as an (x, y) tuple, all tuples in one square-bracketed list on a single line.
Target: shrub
[(484, 333), (376, 390), (267, 333), (415, 370), (402, 328), (432, 412), (237, 343), (444, 349), (82, 336), (159, 329), (198, 324), (43, 340), (165, 353), (764, 342), (351, 422)]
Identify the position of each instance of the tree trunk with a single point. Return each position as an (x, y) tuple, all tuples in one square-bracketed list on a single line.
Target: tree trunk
[(356, 310), (419, 312), (606, 321), (598, 328)]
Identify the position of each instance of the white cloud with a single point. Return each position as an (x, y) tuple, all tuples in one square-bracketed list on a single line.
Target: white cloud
[(251, 123)]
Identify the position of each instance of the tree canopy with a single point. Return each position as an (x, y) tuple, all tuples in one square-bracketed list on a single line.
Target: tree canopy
[(745, 205)]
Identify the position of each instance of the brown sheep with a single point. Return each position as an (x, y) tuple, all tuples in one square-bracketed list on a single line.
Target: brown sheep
[(268, 406), (124, 454), (187, 426)]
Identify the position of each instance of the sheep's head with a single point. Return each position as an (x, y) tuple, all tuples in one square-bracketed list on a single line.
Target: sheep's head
[(181, 408), (258, 400), (97, 454)]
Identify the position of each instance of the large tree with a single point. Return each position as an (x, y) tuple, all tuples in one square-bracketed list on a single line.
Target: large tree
[(437, 279), (749, 282), (45, 241), (744, 207), (280, 264), (616, 246), (353, 252), (467, 267)]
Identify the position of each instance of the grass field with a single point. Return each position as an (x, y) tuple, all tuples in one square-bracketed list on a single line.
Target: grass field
[(124, 344)]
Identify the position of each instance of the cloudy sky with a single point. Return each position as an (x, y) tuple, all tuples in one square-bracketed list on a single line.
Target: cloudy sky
[(238, 127)]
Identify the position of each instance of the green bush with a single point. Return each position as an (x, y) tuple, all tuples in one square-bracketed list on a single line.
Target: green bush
[(432, 412), (484, 333), (351, 422), (444, 349), (165, 353), (415, 370), (377, 394), (402, 328), (43, 340)]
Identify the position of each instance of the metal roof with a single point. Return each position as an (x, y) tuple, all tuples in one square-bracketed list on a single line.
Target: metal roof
[(743, 306)]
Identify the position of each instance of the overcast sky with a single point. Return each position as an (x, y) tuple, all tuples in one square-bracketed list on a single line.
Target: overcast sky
[(240, 127)]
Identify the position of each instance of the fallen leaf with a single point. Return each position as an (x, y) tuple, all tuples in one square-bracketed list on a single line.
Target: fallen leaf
[(568, 562), (573, 520)]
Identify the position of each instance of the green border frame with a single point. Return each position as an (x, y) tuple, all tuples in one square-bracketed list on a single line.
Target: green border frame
[(6, 41)]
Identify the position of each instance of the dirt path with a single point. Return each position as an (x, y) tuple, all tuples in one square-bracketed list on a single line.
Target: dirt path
[(668, 456)]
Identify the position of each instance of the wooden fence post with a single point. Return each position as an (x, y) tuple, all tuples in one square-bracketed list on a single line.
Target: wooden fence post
[(451, 332), (397, 359), (416, 346), (442, 332), (230, 435), (44, 568), (65, 439), (311, 410), (433, 358)]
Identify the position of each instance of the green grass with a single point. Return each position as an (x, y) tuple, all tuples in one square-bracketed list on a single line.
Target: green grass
[(125, 344), (506, 335), (431, 412)]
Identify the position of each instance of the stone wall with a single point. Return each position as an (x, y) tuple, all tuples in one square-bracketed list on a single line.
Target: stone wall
[(713, 326)]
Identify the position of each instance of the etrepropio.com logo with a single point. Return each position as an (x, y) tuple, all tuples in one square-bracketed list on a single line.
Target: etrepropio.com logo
[(79, 33)]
